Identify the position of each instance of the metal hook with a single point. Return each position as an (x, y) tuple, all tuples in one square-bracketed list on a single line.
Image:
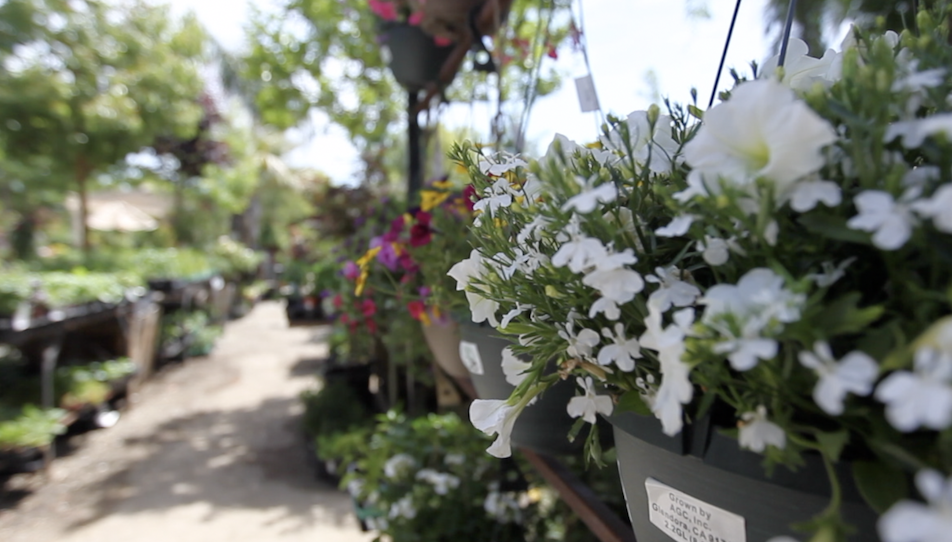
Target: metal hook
[(720, 67), (787, 27)]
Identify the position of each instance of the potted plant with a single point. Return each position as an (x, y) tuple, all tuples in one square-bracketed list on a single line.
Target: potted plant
[(415, 56), (768, 271)]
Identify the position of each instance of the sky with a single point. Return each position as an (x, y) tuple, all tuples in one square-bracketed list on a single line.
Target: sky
[(627, 40)]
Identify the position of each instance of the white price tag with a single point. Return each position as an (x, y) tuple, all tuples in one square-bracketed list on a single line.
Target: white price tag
[(687, 519), (469, 354), (587, 98)]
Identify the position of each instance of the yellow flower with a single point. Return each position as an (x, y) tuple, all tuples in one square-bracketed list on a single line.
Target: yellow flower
[(430, 199), (442, 185), (594, 145), (365, 260), (361, 282)]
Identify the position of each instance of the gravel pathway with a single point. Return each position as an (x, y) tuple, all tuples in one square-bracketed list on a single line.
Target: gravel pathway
[(209, 452)]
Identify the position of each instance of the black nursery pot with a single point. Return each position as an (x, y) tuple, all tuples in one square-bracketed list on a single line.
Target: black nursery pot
[(542, 427), (700, 486), (415, 59)]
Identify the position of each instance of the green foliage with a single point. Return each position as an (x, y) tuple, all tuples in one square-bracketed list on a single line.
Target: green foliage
[(233, 259), (31, 427), (57, 289), (334, 408)]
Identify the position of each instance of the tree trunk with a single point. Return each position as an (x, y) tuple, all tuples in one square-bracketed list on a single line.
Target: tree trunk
[(82, 175)]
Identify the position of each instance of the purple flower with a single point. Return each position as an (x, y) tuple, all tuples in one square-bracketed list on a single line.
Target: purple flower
[(388, 256), (351, 270)]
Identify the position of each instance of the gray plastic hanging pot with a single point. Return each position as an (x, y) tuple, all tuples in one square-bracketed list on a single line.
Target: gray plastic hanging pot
[(415, 59), (699, 485), (542, 427)]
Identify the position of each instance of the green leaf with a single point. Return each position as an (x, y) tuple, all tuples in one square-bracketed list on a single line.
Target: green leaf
[(833, 227), (843, 315), (880, 484), (695, 112), (832, 443), (631, 401), (576, 427)]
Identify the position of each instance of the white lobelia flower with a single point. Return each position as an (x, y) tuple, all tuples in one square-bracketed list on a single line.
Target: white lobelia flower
[(831, 273), (519, 309), (676, 388), (672, 291), (533, 230), (622, 352), (911, 521), (581, 344), (578, 251), (922, 398), (464, 271), (763, 131), (442, 482), (855, 373), (677, 227), (619, 285), (591, 196), (397, 465), (513, 367), (746, 349), (495, 416), (714, 250), (586, 406), (500, 165), (403, 508), (937, 208), (502, 507), (756, 432), (914, 132), (655, 148), (607, 306), (534, 259), (807, 194), (454, 459), (890, 221), (497, 195), (801, 71)]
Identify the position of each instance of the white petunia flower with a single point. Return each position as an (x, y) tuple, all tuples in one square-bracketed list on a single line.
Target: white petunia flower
[(937, 208), (763, 131), (807, 194), (465, 270), (855, 374), (586, 406), (831, 273), (442, 482), (676, 388), (654, 149), (922, 398), (513, 367), (495, 416), (397, 465), (581, 344), (756, 432), (578, 250), (677, 227), (622, 352), (911, 521), (482, 309), (890, 221), (801, 71), (591, 196), (672, 291), (620, 285), (403, 508)]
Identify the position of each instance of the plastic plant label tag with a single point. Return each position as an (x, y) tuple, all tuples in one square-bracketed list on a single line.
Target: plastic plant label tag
[(687, 519), (469, 354), (587, 98)]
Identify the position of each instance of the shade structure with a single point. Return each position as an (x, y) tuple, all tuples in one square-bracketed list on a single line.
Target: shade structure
[(119, 216)]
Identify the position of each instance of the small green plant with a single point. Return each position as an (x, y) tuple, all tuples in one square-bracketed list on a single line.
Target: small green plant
[(31, 427), (82, 385), (334, 408)]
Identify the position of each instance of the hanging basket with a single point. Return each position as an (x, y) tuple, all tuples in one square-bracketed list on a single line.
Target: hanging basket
[(699, 485), (443, 339), (415, 59), (542, 427)]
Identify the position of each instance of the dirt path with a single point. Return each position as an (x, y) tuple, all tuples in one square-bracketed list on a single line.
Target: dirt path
[(208, 452)]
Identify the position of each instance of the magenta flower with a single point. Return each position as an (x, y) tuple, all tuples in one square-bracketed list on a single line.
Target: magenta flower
[(388, 256), (351, 270), (385, 10)]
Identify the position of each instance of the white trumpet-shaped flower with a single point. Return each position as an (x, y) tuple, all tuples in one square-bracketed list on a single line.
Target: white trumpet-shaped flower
[(588, 405), (495, 416), (513, 367)]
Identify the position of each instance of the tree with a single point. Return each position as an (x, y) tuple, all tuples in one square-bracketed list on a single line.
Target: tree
[(88, 82), (325, 55)]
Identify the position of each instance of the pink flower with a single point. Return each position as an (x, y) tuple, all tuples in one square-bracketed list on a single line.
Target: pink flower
[(384, 10), (440, 41), (421, 234), (351, 270), (470, 197), (415, 18), (368, 308)]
